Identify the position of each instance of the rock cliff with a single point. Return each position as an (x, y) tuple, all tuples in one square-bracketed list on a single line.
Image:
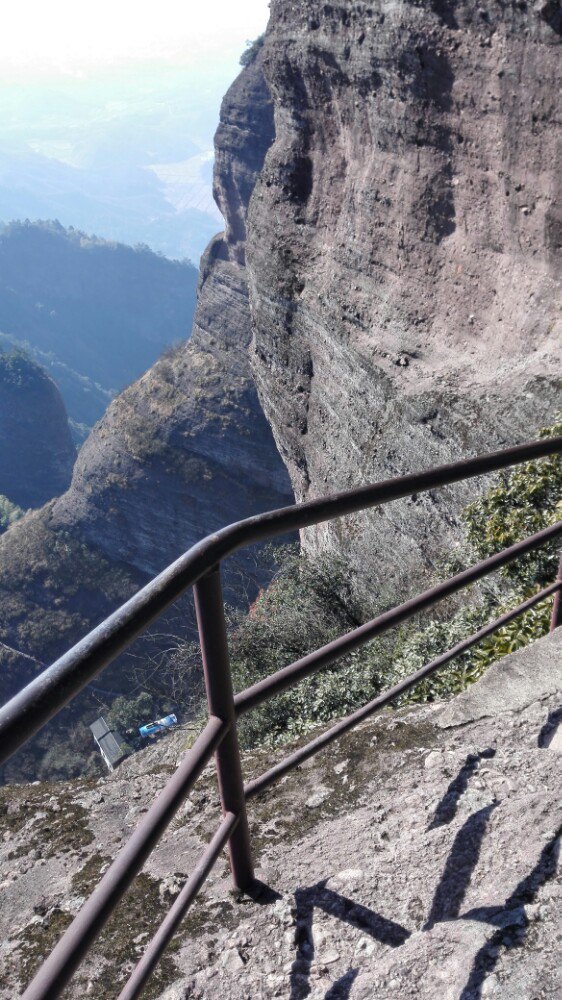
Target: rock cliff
[(36, 449), (404, 252), (187, 449)]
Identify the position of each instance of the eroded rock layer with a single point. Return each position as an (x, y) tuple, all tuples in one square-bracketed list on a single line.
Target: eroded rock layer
[(404, 251)]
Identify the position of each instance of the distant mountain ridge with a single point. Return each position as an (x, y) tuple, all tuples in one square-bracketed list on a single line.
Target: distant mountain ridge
[(95, 313)]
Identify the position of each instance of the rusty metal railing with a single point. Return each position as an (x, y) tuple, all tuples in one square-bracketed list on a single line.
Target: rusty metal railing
[(199, 568)]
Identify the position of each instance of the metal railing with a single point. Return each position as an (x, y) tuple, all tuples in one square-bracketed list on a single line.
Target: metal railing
[(199, 568)]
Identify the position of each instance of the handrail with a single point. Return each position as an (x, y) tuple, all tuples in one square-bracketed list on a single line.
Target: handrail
[(272, 685), (276, 772), (178, 910), (66, 956), (200, 567), (43, 697)]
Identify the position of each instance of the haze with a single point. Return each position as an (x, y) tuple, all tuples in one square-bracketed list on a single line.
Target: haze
[(64, 36), (108, 110)]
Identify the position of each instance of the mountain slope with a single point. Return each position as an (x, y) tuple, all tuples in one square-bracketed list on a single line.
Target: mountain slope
[(96, 313), (183, 451), (36, 449)]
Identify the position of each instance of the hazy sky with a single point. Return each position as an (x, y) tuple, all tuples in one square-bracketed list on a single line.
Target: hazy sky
[(80, 36)]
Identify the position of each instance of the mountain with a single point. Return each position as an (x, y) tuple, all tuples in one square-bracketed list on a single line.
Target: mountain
[(36, 449), (389, 265), (403, 254), (178, 454), (95, 313), (123, 152)]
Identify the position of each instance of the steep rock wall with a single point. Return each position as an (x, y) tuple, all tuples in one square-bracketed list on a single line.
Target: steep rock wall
[(403, 252), (187, 449)]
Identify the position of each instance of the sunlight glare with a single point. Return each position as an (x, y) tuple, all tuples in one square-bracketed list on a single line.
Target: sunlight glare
[(73, 36)]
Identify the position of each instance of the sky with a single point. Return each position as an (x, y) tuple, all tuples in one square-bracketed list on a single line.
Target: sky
[(108, 110), (79, 37)]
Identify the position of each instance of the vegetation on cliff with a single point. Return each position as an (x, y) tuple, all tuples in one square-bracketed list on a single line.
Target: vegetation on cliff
[(311, 602), (9, 513), (36, 449)]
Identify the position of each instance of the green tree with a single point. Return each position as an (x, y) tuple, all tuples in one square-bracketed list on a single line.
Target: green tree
[(251, 50), (9, 513), (130, 713)]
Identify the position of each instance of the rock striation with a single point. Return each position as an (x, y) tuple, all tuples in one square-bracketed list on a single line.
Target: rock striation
[(404, 253), (36, 449)]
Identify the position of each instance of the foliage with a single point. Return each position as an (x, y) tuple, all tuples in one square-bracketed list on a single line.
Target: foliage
[(308, 604), (251, 50), (9, 513), (130, 713), (526, 499), (18, 371), (311, 602)]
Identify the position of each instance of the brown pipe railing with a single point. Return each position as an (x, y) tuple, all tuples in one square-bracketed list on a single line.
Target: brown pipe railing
[(28, 711)]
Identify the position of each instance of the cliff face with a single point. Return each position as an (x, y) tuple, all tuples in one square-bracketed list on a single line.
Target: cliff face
[(183, 451), (36, 450), (403, 250)]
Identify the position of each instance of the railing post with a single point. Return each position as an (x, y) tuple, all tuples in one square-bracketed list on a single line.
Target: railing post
[(211, 622), (556, 618)]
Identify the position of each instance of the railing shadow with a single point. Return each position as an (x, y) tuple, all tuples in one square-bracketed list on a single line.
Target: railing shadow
[(511, 914), (548, 731), (459, 867), (447, 807), (342, 988), (349, 912)]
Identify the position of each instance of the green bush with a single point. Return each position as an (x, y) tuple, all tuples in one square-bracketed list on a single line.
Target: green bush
[(130, 713), (308, 604), (251, 50), (9, 513), (525, 500), (312, 602)]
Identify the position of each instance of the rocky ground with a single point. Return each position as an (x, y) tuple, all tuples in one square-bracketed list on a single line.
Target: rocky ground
[(418, 856)]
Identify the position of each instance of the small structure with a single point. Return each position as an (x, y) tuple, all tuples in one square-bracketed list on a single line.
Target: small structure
[(110, 743)]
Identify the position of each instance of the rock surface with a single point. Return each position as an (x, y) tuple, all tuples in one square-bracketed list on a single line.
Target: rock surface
[(404, 253), (430, 869), (36, 449), (187, 449)]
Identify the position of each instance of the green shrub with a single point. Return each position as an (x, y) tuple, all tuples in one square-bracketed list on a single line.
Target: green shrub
[(130, 713), (251, 50), (9, 513), (312, 602), (526, 499), (308, 604)]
